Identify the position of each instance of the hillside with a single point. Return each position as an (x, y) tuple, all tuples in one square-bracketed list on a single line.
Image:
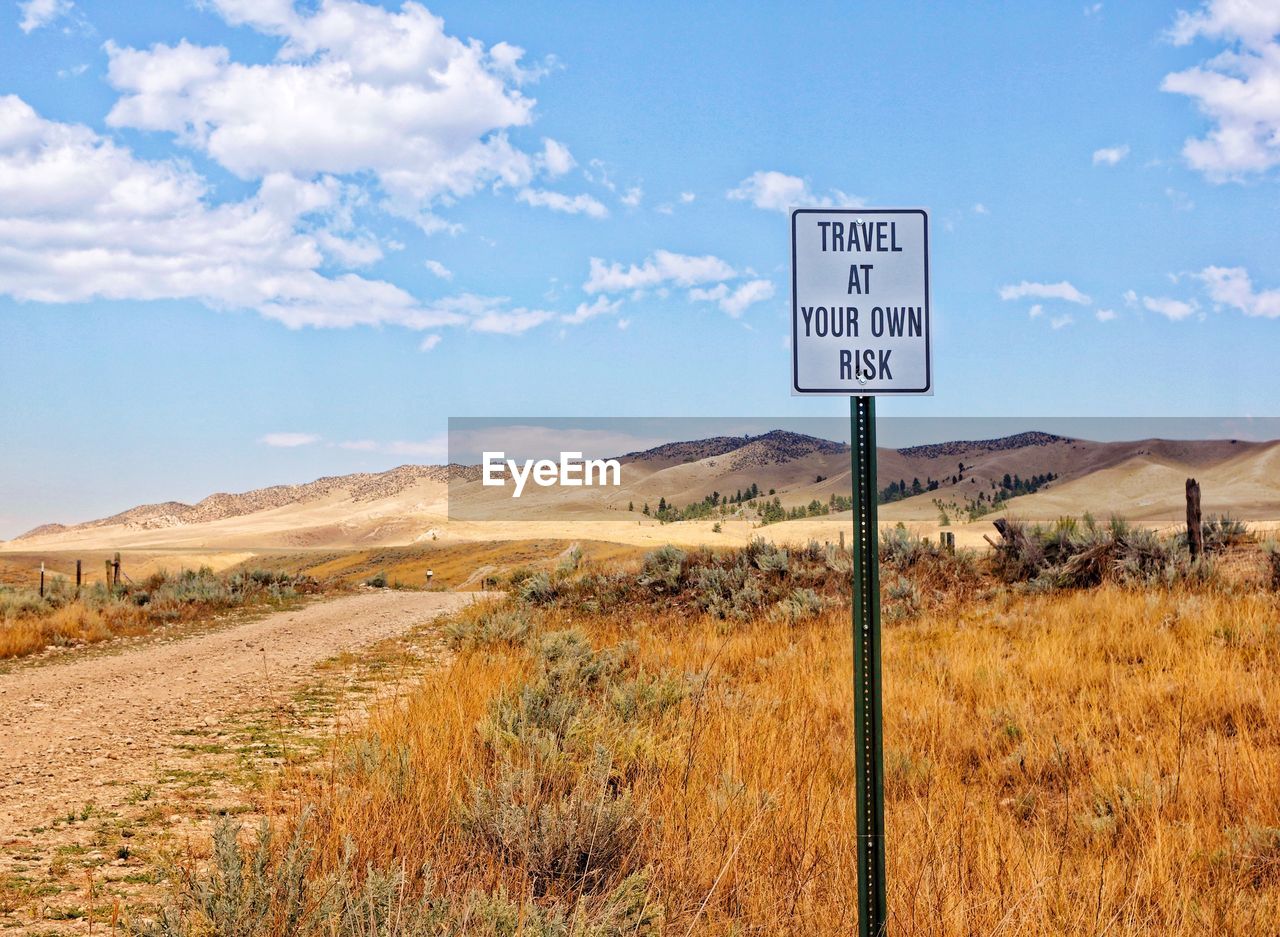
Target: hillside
[(1142, 479)]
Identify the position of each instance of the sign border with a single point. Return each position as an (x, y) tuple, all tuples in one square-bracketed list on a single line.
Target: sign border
[(796, 389)]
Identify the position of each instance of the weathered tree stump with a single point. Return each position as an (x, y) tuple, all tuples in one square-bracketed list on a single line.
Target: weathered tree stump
[(1195, 532)]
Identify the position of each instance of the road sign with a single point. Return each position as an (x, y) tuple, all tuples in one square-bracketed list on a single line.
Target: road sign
[(860, 301)]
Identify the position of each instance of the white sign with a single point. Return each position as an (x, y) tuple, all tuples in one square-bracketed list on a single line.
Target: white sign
[(860, 301)]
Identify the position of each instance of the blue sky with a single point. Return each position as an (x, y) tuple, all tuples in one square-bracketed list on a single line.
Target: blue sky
[(244, 243)]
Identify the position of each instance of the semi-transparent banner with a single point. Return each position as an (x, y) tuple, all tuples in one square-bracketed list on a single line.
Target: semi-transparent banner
[(735, 474)]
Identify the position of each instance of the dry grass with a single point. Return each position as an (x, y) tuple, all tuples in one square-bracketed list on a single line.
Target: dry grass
[(30, 622), (1086, 762)]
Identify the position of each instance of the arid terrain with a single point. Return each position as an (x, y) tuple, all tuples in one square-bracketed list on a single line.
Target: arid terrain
[(85, 733), (1140, 480), (623, 737)]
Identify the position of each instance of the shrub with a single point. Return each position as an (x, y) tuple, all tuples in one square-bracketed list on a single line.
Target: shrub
[(800, 605), (663, 568), (378, 580), (488, 626), (1222, 533), (1272, 554), (537, 589), (581, 835)]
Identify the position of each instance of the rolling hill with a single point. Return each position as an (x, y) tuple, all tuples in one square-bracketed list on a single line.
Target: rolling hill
[(1142, 479)]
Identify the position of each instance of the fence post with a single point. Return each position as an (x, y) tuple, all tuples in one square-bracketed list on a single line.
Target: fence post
[(106, 579), (42, 580), (1195, 533), (77, 579), (116, 568)]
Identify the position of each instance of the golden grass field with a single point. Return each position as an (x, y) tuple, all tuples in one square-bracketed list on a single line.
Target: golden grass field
[(1097, 761)]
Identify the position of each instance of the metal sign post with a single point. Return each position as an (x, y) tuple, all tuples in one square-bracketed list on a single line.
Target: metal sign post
[(868, 748), (860, 326)]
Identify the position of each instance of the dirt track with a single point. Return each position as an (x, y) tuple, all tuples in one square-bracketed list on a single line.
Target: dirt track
[(86, 728)]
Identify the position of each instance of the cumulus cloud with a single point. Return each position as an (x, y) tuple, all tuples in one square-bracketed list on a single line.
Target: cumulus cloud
[(633, 197), (556, 158), (777, 191), (430, 342), (1235, 90), (289, 440), (1035, 311), (83, 218), (1110, 155), (438, 269), (569, 204), (1062, 321), (1105, 315), (735, 301), (37, 13), (1233, 287), (662, 267), (1026, 289), (1174, 309), (353, 89), (600, 307)]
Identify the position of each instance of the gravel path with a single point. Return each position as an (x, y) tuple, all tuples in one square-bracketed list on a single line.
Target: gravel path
[(88, 727)]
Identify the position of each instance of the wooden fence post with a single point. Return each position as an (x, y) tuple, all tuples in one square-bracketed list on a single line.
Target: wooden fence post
[(116, 569), (1195, 533), (106, 579), (77, 579), (42, 580)]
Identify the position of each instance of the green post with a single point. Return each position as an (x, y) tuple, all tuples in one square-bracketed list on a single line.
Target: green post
[(869, 757)]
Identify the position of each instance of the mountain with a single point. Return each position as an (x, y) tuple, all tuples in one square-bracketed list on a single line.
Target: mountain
[(1142, 479)]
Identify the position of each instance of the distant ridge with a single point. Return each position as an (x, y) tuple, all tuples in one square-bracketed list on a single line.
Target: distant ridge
[(1002, 444), (359, 487), (778, 445)]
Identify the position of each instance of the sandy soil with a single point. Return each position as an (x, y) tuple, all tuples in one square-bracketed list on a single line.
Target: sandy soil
[(88, 727)]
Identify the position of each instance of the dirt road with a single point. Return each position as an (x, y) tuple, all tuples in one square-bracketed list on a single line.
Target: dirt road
[(86, 729)]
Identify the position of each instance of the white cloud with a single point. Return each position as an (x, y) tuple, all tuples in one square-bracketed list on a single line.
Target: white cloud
[(1105, 315), (633, 197), (569, 204), (776, 191), (430, 342), (556, 158), (1181, 200), (1130, 298), (438, 269), (600, 307), (1174, 309), (1064, 291), (37, 13), (1110, 155), (735, 301), (686, 197), (624, 324), (1255, 22), (980, 209), (749, 293), (659, 268), (1035, 311), (1236, 89), (1232, 286), (1058, 322), (1092, 9), (435, 449), (289, 440), (83, 218), (354, 89)]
